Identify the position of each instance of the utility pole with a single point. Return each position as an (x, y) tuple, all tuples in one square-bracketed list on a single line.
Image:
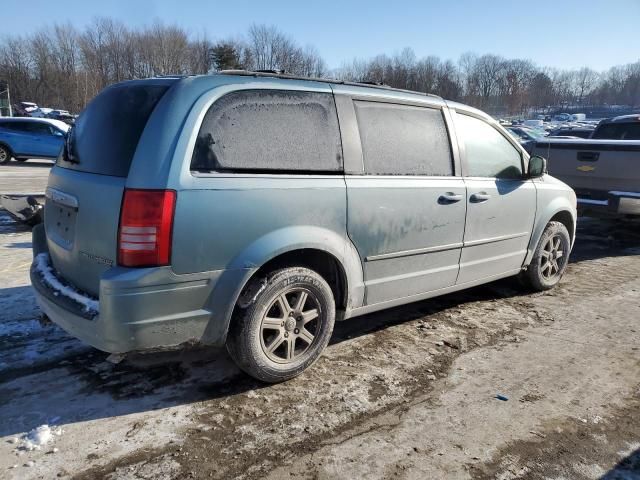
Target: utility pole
[(5, 85)]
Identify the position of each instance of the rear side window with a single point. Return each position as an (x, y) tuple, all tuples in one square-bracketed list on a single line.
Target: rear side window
[(488, 152), (106, 134), (39, 128), (618, 131), (16, 126), (270, 130), (403, 140)]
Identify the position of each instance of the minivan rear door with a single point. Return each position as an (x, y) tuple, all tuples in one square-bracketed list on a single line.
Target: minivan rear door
[(406, 208), (85, 188)]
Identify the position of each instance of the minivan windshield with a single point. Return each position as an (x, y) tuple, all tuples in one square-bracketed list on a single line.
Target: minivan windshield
[(106, 134)]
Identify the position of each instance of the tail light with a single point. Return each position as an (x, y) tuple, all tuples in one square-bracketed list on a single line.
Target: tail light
[(146, 224)]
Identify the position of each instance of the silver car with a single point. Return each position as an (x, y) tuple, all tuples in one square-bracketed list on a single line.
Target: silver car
[(254, 210)]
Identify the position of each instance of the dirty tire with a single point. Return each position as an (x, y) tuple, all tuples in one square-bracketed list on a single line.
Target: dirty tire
[(256, 328), (539, 276), (5, 154)]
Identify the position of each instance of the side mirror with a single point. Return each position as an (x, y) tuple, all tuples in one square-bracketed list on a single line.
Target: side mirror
[(537, 166)]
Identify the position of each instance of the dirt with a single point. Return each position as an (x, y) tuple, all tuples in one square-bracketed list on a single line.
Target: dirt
[(412, 392)]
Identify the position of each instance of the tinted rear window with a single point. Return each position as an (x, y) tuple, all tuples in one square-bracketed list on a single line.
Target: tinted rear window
[(17, 126), (255, 130), (106, 134), (403, 140), (618, 131)]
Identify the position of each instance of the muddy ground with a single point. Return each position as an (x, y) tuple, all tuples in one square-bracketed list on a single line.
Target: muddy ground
[(407, 393)]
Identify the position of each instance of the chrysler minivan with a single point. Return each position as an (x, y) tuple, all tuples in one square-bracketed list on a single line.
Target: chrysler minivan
[(253, 210)]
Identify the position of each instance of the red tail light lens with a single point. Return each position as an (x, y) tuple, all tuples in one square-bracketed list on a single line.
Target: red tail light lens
[(146, 223)]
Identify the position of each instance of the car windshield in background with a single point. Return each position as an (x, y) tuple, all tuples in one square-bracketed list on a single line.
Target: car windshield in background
[(106, 134), (535, 135), (525, 133)]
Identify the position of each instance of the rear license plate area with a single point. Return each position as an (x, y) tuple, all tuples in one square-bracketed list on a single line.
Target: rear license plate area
[(61, 223)]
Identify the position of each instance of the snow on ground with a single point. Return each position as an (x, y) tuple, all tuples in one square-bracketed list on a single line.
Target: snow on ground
[(39, 437), (52, 383), (391, 396)]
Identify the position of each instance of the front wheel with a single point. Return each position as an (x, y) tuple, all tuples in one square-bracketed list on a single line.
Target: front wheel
[(550, 258), (282, 324), (5, 155)]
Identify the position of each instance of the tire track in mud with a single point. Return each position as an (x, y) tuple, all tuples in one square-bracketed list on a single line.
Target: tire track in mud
[(362, 375), (608, 448), (375, 367)]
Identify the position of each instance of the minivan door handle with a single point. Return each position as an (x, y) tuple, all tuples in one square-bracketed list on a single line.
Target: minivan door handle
[(449, 198), (479, 197)]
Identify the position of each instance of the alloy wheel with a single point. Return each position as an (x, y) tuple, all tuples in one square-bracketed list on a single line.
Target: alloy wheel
[(553, 257), (290, 325)]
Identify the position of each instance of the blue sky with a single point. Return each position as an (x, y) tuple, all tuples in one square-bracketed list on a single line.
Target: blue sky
[(559, 33)]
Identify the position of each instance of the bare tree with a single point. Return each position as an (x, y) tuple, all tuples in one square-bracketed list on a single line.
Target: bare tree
[(65, 67), (585, 81)]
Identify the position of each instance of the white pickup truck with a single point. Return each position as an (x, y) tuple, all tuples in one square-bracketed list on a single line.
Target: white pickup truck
[(603, 170)]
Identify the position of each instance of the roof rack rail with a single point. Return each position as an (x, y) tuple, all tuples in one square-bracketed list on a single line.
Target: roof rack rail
[(275, 71), (177, 75), (286, 76)]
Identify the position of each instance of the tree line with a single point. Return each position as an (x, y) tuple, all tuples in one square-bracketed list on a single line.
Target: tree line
[(64, 67)]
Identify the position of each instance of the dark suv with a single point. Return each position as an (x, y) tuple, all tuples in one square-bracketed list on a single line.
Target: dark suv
[(625, 127)]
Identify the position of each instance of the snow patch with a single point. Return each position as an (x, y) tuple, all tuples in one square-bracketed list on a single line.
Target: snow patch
[(39, 437), (43, 268)]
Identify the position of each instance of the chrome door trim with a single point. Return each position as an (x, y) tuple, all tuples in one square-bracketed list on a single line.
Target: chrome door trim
[(442, 248), (483, 241), (416, 251)]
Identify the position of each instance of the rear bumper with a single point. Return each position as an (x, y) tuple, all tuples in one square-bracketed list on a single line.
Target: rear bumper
[(139, 309), (616, 204)]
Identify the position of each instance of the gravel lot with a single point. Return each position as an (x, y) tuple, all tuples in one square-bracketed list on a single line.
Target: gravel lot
[(406, 393), (24, 177)]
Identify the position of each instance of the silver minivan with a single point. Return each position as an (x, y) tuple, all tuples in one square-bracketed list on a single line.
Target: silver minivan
[(253, 210)]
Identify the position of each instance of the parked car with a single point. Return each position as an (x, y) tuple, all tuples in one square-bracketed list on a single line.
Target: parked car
[(526, 136), (24, 138), (254, 210), (539, 124), (579, 132), (41, 112), (24, 109), (625, 127), (562, 117), (63, 116)]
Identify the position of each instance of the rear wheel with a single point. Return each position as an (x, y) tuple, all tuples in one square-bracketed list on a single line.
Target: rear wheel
[(285, 326), (5, 154), (550, 258)]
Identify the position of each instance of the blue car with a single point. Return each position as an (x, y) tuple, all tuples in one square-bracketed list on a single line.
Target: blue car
[(24, 138)]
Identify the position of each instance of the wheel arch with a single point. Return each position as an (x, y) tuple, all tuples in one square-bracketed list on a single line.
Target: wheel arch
[(9, 149), (565, 217), (332, 255), (559, 210)]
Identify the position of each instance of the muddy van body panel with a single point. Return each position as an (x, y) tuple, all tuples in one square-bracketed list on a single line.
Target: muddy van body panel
[(382, 238)]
